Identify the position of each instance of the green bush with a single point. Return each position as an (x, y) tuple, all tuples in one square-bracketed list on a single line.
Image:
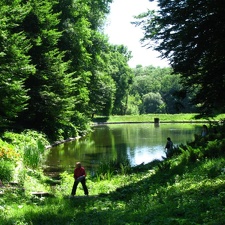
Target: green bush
[(30, 144), (6, 170), (27, 136), (215, 148), (190, 154), (33, 154), (107, 169)]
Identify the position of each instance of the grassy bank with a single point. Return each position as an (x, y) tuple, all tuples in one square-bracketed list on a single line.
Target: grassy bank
[(172, 192), (187, 189), (149, 118)]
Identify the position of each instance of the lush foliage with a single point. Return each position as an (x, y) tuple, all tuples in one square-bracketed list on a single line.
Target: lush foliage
[(31, 146), (155, 90), (9, 156), (58, 68), (18, 152), (189, 34), (15, 63)]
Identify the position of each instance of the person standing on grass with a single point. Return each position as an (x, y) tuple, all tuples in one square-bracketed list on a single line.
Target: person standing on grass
[(79, 176), (169, 147)]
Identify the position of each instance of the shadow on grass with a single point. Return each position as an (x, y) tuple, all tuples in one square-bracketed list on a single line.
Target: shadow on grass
[(157, 198), (144, 202)]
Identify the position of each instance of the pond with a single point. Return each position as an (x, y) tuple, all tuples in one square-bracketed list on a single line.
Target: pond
[(137, 142)]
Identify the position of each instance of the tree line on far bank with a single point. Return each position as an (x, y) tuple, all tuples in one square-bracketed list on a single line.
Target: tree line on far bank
[(155, 90)]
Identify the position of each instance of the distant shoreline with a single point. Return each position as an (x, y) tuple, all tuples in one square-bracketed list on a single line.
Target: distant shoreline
[(156, 122), (157, 118)]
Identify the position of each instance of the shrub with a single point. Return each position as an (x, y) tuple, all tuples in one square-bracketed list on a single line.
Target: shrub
[(107, 169), (8, 152), (31, 144), (27, 136), (6, 170), (215, 148), (190, 154), (33, 154)]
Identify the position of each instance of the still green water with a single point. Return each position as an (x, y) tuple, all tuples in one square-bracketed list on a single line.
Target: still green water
[(139, 143)]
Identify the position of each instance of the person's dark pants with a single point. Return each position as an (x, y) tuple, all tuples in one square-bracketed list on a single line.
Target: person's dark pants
[(169, 153), (76, 182)]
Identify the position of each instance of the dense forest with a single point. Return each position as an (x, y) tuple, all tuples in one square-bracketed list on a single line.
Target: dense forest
[(58, 68), (154, 90)]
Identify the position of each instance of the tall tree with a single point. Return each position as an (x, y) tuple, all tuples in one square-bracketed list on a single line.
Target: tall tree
[(15, 64), (122, 76), (152, 103), (191, 35), (86, 46), (51, 103), (101, 86), (75, 40)]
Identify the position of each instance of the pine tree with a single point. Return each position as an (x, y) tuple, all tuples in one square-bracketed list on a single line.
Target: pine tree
[(51, 104), (15, 65)]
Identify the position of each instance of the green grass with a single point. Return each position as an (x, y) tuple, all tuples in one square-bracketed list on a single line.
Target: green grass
[(187, 189), (168, 192), (188, 117)]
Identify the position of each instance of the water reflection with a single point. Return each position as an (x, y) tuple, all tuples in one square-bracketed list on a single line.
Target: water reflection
[(140, 143)]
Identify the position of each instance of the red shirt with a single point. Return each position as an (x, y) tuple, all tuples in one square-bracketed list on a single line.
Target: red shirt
[(79, 172)]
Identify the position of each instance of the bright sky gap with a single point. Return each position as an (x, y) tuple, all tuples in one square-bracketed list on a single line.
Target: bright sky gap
[(120, 31)]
